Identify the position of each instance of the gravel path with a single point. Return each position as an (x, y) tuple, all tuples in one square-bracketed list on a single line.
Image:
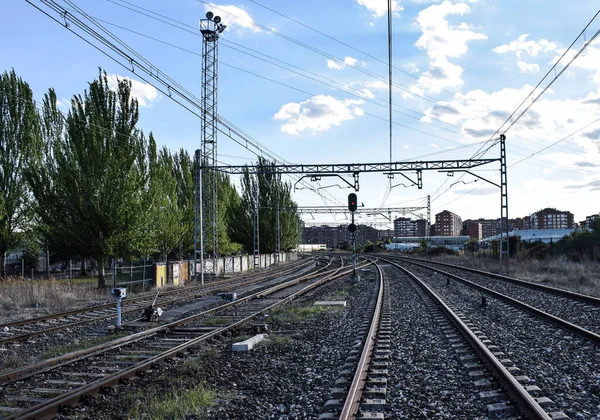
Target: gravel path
[(566, 368), (426, 377), (579, 313)]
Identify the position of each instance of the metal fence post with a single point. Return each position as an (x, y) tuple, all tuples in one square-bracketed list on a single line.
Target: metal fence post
[(114, 273)]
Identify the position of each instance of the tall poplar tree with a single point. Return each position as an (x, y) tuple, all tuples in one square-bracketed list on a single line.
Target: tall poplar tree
[(272, 190), (20, 142), (92, 183)]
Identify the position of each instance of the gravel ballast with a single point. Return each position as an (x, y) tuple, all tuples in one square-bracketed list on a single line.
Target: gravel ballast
[(290, 377), (566, 368), (426, 377)]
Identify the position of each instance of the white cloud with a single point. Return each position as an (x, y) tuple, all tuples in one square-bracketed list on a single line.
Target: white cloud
[(334, 65), (480, 113), (440, 41), (527, 67), (349, 61), (435, 146), (521, 45), (588, 60), (339, 65), (145, 93), (366, 93), (406, 146), (318, 113), (412, 68), (233, 16), (379, 8)]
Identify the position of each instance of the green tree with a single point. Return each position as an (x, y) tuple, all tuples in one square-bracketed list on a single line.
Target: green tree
[(92, 183), (183, 172), (163, 204), (20, 142), (272, 189)]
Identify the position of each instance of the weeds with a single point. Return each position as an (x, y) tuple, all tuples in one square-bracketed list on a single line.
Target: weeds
[(81, 344), (582, 277), (297, 313), (176, 405), (214, 322)]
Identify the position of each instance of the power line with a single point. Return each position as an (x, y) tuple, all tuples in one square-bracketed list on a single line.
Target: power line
[(534, 100), (291, 87), (168, 90), (556, 142)]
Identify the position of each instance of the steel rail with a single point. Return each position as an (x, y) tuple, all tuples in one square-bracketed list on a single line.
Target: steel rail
[(39, 367), (352, 403), (186, 295), (138, 299), (568, 293), (49, 408), (35, 368), (526, 403), (568, 326)]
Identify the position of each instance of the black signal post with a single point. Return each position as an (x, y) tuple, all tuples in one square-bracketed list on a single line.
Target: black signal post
[(352, 206)]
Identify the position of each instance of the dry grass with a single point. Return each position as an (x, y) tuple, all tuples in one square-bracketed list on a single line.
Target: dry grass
[(581, 277), (28, 298)]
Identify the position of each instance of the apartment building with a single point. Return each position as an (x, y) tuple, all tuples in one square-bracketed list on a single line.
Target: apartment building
[(448, 224)]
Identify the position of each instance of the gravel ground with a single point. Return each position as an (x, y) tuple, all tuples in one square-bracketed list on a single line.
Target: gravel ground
[(566, 368), (426, 377), (291, 377), (576, 312)]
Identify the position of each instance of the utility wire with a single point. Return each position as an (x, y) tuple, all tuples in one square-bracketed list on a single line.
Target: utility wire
[(530, 95), (167, 90), (183, 26)]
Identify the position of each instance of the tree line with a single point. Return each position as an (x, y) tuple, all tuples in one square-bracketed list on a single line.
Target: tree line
[(92, 185)]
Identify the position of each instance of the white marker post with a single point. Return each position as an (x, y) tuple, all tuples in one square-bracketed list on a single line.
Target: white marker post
[(119, 293)]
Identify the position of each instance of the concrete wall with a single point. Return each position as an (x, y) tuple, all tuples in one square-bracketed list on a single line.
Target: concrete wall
[(240, 263)]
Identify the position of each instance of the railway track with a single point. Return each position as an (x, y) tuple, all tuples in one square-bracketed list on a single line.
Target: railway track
[(564, 310), (26, 329), (361, 386), (501, 385), (39, 390)]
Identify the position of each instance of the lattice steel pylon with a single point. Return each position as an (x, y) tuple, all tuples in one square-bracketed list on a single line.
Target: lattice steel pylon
[(198, 232), (428, 225), (504, 247), (206, 208), (256, 224)]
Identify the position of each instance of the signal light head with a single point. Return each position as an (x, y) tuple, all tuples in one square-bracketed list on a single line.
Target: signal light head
[(352, 202)]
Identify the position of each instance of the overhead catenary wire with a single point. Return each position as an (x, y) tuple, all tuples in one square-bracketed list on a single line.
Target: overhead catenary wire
[(564, 54), (167, 89), (483, 150), (225, 41)]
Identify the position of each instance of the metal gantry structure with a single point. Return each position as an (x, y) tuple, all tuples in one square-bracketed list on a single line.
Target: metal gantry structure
[(206, 201), (504, 246), (317, 171)]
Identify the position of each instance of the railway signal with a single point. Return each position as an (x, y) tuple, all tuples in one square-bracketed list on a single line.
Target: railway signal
[(352, 202), (352, 206)]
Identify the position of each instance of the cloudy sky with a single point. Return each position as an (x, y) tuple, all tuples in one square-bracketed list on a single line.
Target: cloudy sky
[(308, 80)]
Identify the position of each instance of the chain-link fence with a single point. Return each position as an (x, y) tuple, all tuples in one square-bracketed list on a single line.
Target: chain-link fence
[(136, 276)]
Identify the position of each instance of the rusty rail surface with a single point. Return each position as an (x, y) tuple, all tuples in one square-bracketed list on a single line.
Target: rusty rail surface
[(189, 293), (352, 403)]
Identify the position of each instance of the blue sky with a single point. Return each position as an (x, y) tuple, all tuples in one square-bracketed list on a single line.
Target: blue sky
[(478, 58)]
